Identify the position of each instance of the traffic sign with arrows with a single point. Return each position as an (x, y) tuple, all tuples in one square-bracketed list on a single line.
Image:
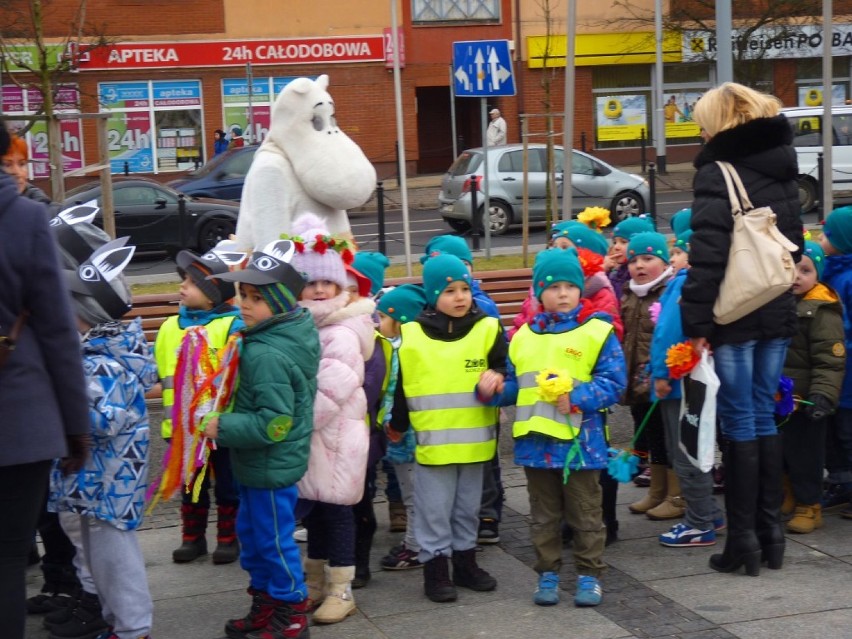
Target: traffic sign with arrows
[(483, 68)]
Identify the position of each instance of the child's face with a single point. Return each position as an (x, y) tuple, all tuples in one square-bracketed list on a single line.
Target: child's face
[(192, 297), (560, 297), (645, 268), (827, 246), (354, 296), (388, 326), (619, 249), (253, 307), (455, 300), (678, 259), (562, 242), (320, 290), (806, 276)]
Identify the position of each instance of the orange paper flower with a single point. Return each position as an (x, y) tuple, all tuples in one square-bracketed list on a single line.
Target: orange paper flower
[(590, 262), (681, 359)]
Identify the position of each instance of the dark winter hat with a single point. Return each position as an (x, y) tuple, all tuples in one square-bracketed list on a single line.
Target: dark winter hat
[(581, 236), (648, 244), (273, 275), (680, 221), (441, 271), (682, 241), (630, 226), (814, 251), (202, 270), (838, 229), (5, 139), (556, 265), (373, 265), (450, 244), (403, 303)]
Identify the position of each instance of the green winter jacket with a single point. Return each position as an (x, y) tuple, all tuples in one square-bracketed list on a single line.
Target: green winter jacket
[(269, 429), (816, 357)]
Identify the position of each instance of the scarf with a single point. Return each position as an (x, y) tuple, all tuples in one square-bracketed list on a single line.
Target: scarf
[(641, 290)]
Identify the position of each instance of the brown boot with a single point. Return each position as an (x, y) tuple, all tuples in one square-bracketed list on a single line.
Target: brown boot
[(398, 516), (673, 506), (806, 519), (656, 491), (789, 503)]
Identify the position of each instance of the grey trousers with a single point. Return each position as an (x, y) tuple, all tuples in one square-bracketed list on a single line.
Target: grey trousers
[(446, 508), (695, 487), (405, 477)]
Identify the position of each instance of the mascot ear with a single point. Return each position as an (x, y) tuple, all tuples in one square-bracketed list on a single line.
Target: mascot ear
[(302, 85), (322, 82)]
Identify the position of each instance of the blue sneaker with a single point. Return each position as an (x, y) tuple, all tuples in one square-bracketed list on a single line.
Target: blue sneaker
[(547, 593), (836, 497), (589, 592), (683, 536), (719, 525)]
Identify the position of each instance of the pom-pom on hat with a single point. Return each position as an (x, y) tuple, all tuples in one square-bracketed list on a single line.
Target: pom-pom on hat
[(319, 256), (648, 244), (682, 241), (630, 226), (372, 264), (441, 271), (814, 251), (680, 221), (449, 244), (556, 265), (403, 303), (581, 236), (838, 229), (199, 268)]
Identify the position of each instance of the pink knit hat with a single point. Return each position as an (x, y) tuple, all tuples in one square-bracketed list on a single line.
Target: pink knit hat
[(319, 255)]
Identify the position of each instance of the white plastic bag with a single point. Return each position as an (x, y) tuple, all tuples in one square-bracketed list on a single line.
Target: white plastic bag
[(697, 436)]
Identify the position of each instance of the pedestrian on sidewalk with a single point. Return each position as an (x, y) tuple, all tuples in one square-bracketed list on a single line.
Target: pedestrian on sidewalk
[(497, 129), (268, 432), (560, 441)]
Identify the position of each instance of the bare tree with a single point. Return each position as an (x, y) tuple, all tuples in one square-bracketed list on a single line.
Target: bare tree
[(548, 74)]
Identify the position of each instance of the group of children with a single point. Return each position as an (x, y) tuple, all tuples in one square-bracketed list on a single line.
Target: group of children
[(336, 372)]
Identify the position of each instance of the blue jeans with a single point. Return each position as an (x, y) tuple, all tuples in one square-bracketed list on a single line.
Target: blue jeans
[(749, 373)]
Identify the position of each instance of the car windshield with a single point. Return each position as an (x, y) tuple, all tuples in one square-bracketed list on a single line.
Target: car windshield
[(465, 164), (219, 160)]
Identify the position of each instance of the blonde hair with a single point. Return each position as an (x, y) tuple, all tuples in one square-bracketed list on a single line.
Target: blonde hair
[(732, 104)]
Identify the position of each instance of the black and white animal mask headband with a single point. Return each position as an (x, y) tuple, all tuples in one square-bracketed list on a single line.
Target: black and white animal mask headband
[(93, 276)]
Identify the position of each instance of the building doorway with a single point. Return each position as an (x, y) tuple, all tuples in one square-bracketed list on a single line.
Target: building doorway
[(434, 128)]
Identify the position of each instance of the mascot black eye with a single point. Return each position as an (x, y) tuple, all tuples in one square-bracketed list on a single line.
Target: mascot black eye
[(317, 122)]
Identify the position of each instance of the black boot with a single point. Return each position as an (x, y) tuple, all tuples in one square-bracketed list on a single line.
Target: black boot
[(436, 580), (86, 620), (59, 589), (227, 547), (468, 574), (363, 545), (609, 497), (194, 520), (769, 498), (741, 544)]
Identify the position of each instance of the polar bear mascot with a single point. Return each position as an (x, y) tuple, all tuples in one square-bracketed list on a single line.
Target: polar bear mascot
[(306, 163)]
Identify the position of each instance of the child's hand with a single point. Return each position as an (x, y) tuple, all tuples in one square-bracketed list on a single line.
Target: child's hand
[(394, 436), (211, 428), (563, 404), (662, 388), (490, 383)]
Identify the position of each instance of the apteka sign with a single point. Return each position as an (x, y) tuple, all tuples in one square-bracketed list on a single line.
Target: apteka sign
[(770, 42)]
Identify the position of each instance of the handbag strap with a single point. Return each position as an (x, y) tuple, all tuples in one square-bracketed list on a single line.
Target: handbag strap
[(732, 180), (17, 326)]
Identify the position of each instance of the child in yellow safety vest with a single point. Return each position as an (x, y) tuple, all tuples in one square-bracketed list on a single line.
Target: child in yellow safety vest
[(451, 356), (562, 372), (204, 303)]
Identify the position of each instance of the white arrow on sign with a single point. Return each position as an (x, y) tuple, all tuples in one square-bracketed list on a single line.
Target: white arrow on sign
[(479, 61), (462, 77), (494, 64)]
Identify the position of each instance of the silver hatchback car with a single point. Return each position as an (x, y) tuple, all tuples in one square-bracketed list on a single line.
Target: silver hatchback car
[(595, 183)]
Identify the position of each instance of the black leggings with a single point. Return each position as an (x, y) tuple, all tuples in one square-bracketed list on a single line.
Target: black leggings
[(653, 436)]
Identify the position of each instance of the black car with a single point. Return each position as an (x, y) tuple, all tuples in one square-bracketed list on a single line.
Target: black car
[(221, 177), (150, 213)]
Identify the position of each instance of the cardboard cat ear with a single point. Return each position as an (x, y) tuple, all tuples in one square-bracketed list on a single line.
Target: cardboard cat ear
[(77, 214), (64, 229), (111, 258), (281, 250), (93, 276), (229, 252)]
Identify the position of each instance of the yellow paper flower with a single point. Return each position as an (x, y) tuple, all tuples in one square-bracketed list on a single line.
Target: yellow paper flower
[(807, 235), (552, 383), (595, 217)]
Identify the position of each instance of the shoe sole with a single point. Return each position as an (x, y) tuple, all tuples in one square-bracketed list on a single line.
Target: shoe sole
[(490, 541), (414, 567), (689, 545)]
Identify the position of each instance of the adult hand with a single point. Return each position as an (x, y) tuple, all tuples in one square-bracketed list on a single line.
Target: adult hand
[(662, 388), (78, 452), (699, 344)]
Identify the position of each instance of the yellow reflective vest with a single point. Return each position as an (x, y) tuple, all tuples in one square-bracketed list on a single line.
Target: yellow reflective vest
[(438, 379), (575, 351), (387, 352), (166, 349)]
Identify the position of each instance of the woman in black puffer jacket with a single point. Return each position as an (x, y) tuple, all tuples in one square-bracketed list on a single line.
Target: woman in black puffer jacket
[(743, 127)]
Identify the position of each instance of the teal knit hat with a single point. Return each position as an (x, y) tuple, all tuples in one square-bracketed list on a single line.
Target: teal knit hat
[(557, 265), (441, 271), (581, 236), (838, 229), (680, 221), (814, 251), (630, 226), (682, 241), (648, 244), (403, 303), (451, 244), (372, 265)]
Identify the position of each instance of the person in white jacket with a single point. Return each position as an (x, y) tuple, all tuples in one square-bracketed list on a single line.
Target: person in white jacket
[(496, 133)]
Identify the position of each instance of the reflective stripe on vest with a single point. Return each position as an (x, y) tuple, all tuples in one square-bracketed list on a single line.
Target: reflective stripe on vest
[(575, 351), (166, 349), (439, 379)]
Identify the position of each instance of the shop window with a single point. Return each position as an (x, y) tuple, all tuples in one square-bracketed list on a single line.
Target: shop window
[(622, 76), (426, 11), (685, 73), (811, 68)]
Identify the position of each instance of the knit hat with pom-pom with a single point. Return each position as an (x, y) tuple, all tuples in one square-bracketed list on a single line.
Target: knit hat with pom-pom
[(319, 256)]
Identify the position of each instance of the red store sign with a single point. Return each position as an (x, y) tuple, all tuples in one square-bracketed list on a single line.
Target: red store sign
[(166, 55)]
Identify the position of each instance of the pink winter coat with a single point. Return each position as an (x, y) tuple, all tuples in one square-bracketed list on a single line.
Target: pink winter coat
[(341, 439)]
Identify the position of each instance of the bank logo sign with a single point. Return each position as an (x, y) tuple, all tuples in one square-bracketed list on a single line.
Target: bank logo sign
[(769, 43)]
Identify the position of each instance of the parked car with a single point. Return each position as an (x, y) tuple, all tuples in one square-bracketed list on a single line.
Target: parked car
[(150, 213), (595, 183), (222, 177)]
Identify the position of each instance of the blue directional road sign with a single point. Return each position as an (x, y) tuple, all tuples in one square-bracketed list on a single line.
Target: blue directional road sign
[(483, 68)]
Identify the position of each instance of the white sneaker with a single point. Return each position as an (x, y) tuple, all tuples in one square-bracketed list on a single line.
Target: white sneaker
[(301, 535)]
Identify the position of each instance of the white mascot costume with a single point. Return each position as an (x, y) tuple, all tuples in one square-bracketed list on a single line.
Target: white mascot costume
[(306, 163)]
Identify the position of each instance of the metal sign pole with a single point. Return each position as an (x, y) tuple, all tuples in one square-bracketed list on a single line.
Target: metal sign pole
[(400, 137), (486, 203), (250, 80), (454, 133)]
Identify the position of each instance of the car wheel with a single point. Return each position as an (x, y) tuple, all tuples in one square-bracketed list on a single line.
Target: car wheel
[(807, 194), (213, 231), (626, 204), (460, 226), (501, 218)]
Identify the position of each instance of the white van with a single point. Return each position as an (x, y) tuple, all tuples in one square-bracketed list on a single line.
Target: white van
[(807, 138)]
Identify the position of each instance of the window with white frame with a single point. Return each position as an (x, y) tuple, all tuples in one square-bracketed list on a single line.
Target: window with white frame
[(426, 11)]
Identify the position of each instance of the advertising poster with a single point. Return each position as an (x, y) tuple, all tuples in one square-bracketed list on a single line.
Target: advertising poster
[(621, 117), (129, 136), (812, 96), (124, 95), (71, 138), (677, 112), (237, 116)]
